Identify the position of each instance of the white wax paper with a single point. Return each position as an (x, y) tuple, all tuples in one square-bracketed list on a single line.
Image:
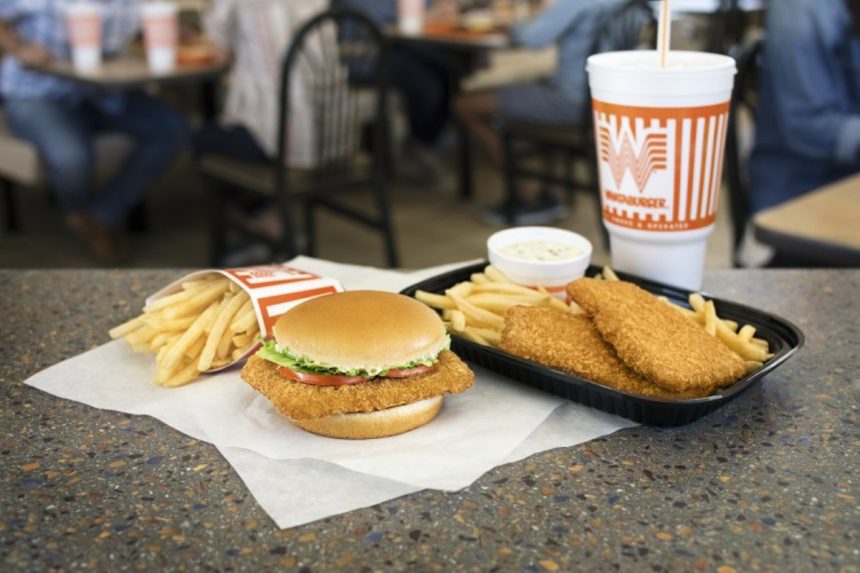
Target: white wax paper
[(495, 422)]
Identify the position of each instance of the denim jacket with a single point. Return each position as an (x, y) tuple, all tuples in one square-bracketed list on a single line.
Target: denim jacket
[(808, 124)]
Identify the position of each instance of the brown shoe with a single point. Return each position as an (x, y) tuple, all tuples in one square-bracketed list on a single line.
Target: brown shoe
[(101, 242)]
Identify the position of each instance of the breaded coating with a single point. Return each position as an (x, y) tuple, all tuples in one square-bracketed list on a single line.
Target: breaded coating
[(572, 344), (303, 401), (654, 340)]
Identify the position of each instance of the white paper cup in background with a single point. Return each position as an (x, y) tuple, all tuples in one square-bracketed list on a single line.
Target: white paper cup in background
[(161, 35), (551, 274), (84, 22), (660, 135), (410, 16)]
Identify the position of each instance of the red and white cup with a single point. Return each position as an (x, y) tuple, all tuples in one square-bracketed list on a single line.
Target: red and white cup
[(84, 24), (660, 135), (273, 290), (410, 16), (161, 35)]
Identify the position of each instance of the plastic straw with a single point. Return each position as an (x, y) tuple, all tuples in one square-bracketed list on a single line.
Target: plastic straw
[(664, 32)]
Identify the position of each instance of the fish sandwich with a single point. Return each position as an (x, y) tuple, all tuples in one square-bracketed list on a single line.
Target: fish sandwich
[(358, 364)]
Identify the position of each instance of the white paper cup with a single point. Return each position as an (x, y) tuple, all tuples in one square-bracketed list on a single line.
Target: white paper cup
[(161, 35), (84, 22), (660, 135), (410, 16), (552, 275)]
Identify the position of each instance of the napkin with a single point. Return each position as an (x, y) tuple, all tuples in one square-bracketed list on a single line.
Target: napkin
[(495, 422)]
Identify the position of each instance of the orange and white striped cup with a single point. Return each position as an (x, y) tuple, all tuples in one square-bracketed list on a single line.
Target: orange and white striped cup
[(660, 135), (161, 35), (84, 24)]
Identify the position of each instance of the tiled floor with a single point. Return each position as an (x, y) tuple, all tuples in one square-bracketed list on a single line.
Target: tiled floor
[(433, 227)]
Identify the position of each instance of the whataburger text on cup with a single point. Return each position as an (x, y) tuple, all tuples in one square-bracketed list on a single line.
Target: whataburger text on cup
[(660, 135)]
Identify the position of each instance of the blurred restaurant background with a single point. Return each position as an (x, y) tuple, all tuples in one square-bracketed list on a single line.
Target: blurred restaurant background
[(394, 141)]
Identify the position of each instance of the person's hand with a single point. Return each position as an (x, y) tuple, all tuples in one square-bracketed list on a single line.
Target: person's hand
[(32, 55)]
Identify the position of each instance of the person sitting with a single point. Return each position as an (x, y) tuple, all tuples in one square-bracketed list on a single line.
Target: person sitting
[(423, 75), (247, 129), (61, 118), (808, 121), (562, 100)]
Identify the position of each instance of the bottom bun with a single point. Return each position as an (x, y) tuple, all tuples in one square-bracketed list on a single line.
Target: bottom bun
[(378, 424)]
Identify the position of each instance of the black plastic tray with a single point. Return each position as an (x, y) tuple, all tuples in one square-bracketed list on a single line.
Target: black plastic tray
[(783, 337)]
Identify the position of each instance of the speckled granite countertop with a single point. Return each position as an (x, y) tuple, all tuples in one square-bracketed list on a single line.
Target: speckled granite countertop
[(769, 482)]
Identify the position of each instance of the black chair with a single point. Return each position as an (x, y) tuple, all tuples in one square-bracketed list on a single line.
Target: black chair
[(343, 59), (744, 104), (620, 29)]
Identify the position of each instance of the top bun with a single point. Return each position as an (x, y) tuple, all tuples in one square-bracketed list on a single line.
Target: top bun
[(369, 330)]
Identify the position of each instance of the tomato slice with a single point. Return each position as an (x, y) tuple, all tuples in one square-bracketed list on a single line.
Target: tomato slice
[(318, 379), (407, 372)]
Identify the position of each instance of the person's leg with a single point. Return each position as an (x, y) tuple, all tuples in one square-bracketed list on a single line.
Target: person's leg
[(477, 111), (234, 141), (63, 135), (160, 133)]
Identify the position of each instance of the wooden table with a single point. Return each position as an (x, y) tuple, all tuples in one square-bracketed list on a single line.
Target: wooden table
[(453, 37), (132, 71), (823, 225)]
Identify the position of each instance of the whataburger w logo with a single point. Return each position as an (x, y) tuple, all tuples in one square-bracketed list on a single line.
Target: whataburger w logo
[(625, 152), (660, 167)]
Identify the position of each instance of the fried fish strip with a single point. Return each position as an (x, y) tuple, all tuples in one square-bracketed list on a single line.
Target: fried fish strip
[(572, 344), (655, 340)]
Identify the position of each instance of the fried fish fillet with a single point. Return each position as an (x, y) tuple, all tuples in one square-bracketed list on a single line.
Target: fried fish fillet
[(572, 344), (305, 401), (655, 340)]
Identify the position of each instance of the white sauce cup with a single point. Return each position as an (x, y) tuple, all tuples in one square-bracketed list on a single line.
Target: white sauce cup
[(552, 275)]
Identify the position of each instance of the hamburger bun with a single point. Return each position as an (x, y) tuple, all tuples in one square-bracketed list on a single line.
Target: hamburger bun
[(362, 330), (377, 424)]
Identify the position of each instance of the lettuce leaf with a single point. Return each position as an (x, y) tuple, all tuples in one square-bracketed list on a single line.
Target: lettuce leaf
[(274, 352)]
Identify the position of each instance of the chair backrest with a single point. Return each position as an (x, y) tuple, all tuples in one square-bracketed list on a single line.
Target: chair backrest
[(334, 76), (742, 120)]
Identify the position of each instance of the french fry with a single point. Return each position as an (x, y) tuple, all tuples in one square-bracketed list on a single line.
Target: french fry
[(710, 318), (189, 337), (226, 313), (609, 274), (126, 327), (201, 299), (498, 303), (460, 289), (244, 321), (183, 376), (166, 324), (507, 288), (493, 337), (753, 366), (474, 337), (243, 340), (458, 321), (477, 314), (479, 278), (746, 333), (496, 275), (437, 301)]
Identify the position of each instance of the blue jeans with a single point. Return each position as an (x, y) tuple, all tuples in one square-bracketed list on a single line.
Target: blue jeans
[(64, 133)]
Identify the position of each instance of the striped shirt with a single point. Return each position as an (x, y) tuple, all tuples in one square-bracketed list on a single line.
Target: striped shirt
[(43, 22), (258, 33)]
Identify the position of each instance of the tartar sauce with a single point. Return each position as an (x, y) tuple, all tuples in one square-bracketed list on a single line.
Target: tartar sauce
[(541, 251)]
